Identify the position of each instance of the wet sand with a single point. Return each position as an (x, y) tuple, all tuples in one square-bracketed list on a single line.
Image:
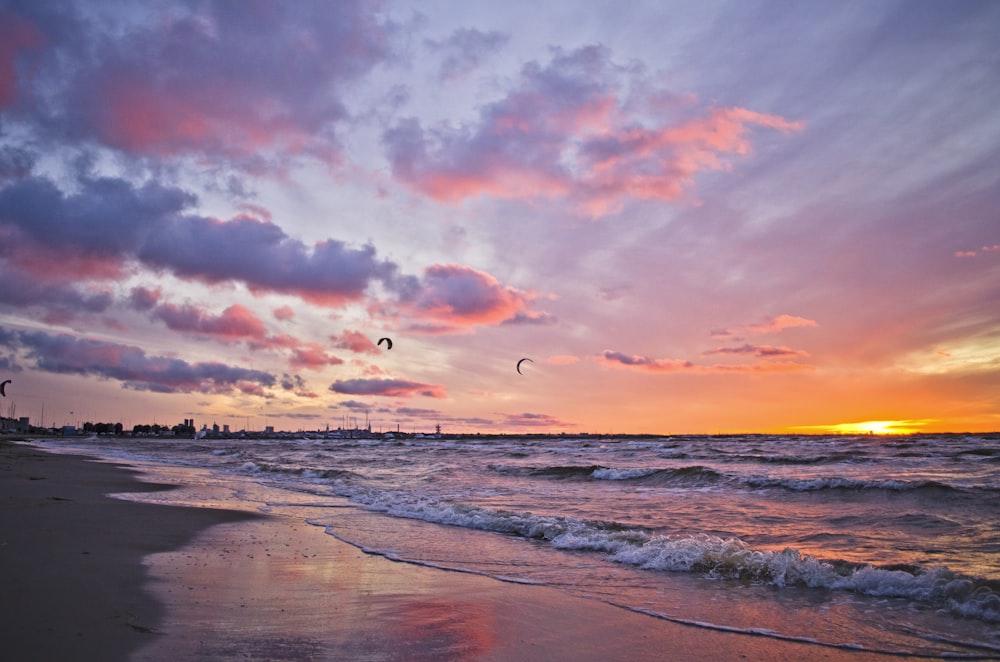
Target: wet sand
[(86, 576)]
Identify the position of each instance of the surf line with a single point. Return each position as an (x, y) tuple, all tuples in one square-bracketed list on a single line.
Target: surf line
[(771, 634)]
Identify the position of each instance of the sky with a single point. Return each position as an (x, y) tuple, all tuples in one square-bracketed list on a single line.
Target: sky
[(693, 217)]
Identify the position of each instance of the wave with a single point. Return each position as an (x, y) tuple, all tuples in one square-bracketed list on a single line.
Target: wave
[(260, 468), (696, 475), (687, 475), (708, 555), (844, 483), (565, 471)]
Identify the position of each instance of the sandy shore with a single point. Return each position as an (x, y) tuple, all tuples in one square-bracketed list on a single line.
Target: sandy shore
[(88, 577)]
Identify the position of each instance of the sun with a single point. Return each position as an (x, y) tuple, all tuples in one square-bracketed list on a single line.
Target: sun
[(870, 427)]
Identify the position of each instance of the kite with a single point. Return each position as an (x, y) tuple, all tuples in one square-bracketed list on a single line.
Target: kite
[(520, 362), (3, 388), (388, 342)]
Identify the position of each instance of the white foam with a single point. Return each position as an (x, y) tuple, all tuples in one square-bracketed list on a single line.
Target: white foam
[(605, 473)]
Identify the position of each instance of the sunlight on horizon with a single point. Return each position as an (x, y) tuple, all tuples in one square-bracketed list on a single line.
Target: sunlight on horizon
[(870, 427)]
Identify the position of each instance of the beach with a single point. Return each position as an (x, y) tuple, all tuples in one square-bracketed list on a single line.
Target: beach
[(88, 576)]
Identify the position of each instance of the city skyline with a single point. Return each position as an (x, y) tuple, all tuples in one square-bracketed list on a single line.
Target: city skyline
[(720, 217)]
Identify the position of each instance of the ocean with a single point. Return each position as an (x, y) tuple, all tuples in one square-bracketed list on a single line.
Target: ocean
[(887, 544)]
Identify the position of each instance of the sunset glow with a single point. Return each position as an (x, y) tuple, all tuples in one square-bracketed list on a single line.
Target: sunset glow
[(692, 220), (871, 427)]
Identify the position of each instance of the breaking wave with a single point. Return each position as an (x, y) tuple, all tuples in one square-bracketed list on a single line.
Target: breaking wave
[(708, 555)]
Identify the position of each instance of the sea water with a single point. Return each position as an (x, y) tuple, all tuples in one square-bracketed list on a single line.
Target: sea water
[(887, 544)]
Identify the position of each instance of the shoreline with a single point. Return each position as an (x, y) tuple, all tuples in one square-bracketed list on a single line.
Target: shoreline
[(94, 577), (71, 558)]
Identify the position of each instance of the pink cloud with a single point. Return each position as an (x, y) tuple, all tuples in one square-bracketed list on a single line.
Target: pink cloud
[(180, 81), (387, 387), (284, 313), (109, 226), (568, 130), (610, 357), (235, 322), (769, 325), (62, 264), (984, 249), (312, 356), (454, 295), (355, 341)]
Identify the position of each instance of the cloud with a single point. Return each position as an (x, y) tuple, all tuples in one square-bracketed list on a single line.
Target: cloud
[(284, 313), (534, 420), (26, 290), (264, 258), (353, 405), (113, 222), (110, 224), (455, 295), (416, 412), (297, 385), (235, 322), (387, 387), (355, 341), (644, 362), (758, 351), (465, 49), (17, 36), (648, 364), (312, 356), (569, 130), (972, 253), (768, 325), (131, 366), (254, 85), (15, 162), (526, 318), (144, 299)]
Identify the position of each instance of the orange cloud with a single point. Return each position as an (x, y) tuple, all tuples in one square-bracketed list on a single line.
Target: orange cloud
[(648, 364), (769, 325)]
